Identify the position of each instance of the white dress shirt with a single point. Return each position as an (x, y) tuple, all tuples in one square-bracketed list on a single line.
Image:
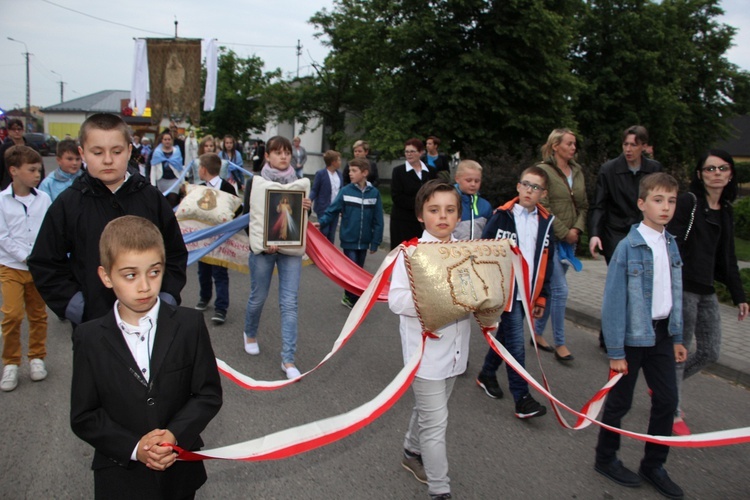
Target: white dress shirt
[(20, 221), (527, 227), (661, 304), (409, 168), (335, 184), (443, 357)]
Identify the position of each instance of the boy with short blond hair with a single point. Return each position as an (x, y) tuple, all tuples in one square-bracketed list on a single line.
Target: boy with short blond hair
[(528, 224), (66, 254), (642, 324), (22, 209), (475, 210), (361, 210), (438, 208), (68, 169), (158, 361), (326, 186), (208, 172)]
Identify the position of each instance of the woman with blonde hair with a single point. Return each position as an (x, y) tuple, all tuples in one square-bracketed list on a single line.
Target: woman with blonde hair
[(566, 200), (206, 145)]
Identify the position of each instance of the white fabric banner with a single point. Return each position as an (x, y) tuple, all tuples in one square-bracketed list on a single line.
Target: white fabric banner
[(211, 53), (139, 84)]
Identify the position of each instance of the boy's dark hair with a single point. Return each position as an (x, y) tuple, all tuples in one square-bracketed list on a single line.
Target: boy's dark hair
[(67, 146), (211, 162), (363, 164), (435, 140), (15, 122), (418, 145), (103, 121), (729, 193), (129, 233), (278, 143), (539, 172), (640, 133), (656, 181), (429, 188), (330, 156), (16, 156)]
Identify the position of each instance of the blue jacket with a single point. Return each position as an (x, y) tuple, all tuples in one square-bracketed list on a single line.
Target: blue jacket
[(320, 194), (362, 217), (502, 225), (475, 212), (57, 182), (626, 308)]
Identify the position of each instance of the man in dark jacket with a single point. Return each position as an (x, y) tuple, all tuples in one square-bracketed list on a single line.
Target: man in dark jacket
[(615, 206)]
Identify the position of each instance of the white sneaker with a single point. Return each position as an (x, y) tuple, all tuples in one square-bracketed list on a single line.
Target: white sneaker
[(291, 371), (38, 370), (10, 378), (251, 347)]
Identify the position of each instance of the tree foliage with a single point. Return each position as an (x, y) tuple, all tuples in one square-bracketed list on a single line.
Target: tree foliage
[(239, 107)]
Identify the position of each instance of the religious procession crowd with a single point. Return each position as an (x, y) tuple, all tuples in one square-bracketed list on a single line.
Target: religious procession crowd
[(97, 241)]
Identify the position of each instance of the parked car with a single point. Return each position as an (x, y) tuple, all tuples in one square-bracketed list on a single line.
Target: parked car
[(44, 143)]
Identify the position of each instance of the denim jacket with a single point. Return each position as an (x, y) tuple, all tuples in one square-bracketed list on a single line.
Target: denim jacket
[(626, 308)]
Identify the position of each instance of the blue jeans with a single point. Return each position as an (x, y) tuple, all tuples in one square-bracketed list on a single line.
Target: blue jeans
[(220, 276), (358, 257), (556, 303), (261, 271), (510, 334)]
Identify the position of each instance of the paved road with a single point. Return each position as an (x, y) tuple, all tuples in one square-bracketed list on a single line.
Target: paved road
[(492, 454)]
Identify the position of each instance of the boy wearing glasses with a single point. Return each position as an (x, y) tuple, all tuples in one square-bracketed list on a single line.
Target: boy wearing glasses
[(529, 225)]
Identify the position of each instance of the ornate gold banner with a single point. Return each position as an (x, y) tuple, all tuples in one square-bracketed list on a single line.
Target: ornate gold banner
[(174, 69)]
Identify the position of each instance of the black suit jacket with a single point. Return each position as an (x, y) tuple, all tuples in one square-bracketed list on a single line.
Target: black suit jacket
[(404, 188), (113, 406)]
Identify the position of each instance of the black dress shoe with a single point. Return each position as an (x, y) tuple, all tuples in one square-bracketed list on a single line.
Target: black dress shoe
[(618, 473), (547, 348), (564, 359), (661, 481)]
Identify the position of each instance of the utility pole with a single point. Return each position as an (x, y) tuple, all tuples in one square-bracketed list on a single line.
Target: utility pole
[(175, 26), (299, 53), (28, 83), (62, 83)]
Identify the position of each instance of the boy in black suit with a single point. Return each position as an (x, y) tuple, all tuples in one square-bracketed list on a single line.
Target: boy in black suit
[(144, 375), (208, 171)]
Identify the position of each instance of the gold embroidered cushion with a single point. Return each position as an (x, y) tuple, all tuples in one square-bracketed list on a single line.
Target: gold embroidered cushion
[(450, 280), (208, 205)]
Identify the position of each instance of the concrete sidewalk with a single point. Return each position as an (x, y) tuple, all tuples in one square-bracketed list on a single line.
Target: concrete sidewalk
[(586, 289)]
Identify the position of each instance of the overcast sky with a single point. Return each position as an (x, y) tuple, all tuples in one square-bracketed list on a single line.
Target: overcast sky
[(93, 55)]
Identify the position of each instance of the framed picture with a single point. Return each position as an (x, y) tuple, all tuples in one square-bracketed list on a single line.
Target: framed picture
[(284, 219)]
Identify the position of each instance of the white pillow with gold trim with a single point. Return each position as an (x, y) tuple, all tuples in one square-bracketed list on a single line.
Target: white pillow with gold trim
[(208, 205)]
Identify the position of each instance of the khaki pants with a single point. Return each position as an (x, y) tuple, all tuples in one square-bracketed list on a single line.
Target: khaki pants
[(19, 293)]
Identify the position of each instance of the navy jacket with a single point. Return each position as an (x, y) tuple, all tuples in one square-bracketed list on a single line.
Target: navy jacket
[(320, 194), (362, 217)]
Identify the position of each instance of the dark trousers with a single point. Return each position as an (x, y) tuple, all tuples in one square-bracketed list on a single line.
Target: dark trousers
[(510, 334), (658, 365), (220, 276), (358, 257)]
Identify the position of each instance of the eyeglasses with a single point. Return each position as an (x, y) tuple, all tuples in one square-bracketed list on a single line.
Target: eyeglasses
[(534, 187), (410, 151), (722, 168), (16, 129)]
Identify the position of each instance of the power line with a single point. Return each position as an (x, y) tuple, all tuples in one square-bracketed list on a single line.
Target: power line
[(105, 20), (256, 45)]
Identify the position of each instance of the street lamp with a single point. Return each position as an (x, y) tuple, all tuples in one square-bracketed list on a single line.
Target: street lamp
[(28, 83), (61, 82)]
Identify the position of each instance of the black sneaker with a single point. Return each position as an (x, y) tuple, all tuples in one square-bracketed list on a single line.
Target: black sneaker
[(661, 481), (618, 473), (441, 496), (528, 407), (219, 317), (490, 386), (202, 305)]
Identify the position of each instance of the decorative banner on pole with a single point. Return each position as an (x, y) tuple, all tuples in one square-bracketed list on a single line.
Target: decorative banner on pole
[(174, 68)]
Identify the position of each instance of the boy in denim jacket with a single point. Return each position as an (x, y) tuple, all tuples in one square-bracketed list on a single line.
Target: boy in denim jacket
[(644, 276)]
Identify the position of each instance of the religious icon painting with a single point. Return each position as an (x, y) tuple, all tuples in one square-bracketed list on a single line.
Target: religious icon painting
[(284, 218)]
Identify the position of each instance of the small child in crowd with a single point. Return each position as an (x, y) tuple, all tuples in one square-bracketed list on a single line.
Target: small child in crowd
[(22, 209), (361, 212), (69, 169), (326, 185), (438, 208), (642, 324), (475, 211), (524, 221), (144, 375), (66, 254), (278, 156), (208, 172)]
